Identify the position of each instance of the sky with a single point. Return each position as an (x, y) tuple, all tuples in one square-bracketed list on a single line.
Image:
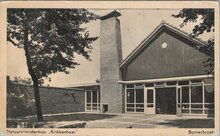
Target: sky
[(136, 25)]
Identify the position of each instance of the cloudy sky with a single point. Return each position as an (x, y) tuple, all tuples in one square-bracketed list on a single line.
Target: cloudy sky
[(136, 25)]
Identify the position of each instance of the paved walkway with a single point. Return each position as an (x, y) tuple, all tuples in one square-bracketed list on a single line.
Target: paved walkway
[(133, 121)]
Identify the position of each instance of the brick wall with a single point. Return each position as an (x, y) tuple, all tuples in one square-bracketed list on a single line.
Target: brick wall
[(53, 100), (110, 58)]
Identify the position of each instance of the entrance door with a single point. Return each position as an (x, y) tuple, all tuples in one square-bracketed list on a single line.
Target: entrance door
[(149, 101), (166, 100), (179, 101)]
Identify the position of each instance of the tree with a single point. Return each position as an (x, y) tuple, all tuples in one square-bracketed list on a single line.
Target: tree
[(206, 25), (50, 39), (24, 81)]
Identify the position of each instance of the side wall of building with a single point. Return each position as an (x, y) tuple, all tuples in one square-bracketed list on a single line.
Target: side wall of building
[(20, 100)]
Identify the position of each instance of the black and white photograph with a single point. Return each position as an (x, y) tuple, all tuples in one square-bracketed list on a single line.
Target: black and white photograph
[(107, 68)]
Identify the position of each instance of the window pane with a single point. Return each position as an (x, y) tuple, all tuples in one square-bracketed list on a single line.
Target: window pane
[(183, 82), (140, 106), (139, 86), (150, 105), (94, 96), (159, 84), (196, 111), (130, 110), (139, 95), (139, 110), (88, 106), (185, 111), (208, 81), (130, 96), (185, 94), (130, 86), (88, 95), (209, 106), (196, 105), (94, 107), (209, 94), (130, 105), (99, 97), (196, 81), (184, 106), (171, 83), (149, 84), (196, 94), (179, 95), (209, 111), (150, 96)]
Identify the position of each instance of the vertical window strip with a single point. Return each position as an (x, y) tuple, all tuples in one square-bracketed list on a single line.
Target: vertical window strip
[(126, 98), (190, 97), (203, 98), (134, 100)]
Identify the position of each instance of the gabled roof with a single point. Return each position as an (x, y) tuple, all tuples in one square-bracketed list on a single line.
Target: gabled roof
[(156, 31)]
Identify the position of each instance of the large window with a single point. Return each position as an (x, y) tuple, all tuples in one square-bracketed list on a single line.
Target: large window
[(92, 100), (135, 98), (194, 97), (197, 97)]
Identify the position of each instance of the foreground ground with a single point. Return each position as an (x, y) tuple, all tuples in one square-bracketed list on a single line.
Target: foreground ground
[(91, 120)]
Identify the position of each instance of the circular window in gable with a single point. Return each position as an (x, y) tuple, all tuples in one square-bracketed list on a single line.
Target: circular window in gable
[(164, 45)]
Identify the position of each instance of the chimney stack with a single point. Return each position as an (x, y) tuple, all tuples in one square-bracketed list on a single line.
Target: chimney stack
[(110, 58)]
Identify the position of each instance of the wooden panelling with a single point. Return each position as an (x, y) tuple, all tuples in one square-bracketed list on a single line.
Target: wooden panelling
[(180, 58)]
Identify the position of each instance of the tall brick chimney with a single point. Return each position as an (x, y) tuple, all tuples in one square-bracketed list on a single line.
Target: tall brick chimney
[(110, 57)]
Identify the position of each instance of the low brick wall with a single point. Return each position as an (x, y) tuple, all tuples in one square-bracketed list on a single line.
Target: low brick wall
[(20, 100)]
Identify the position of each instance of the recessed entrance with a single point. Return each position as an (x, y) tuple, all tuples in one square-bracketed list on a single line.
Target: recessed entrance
[(166, 100)]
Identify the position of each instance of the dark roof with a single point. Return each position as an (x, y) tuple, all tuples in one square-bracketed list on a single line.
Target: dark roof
[(156, 31)]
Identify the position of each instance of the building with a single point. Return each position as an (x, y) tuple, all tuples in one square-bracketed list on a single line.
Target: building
[(165, 74)]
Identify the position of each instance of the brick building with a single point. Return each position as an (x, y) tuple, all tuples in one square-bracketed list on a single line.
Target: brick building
[(165, 74)]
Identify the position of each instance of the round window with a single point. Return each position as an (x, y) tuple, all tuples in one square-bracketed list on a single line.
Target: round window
[(164, 45)]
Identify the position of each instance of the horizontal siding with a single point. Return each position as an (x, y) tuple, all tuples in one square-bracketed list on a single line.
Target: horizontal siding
[(178, 59)]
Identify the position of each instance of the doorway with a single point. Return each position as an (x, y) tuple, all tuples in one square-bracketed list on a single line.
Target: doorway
[(149, 105), (166, 100)]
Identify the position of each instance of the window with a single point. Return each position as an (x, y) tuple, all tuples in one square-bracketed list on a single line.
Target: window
[(92, 100), (150, 96), (130, 96), (193, 94), (139, 96), (164, 45), (196, 94), (149, 84), (88, 98), (135, 98), (171, 83), (183, 82), (94, 96), (209, 94), (130, 86), (185, 94), (160, 84)]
